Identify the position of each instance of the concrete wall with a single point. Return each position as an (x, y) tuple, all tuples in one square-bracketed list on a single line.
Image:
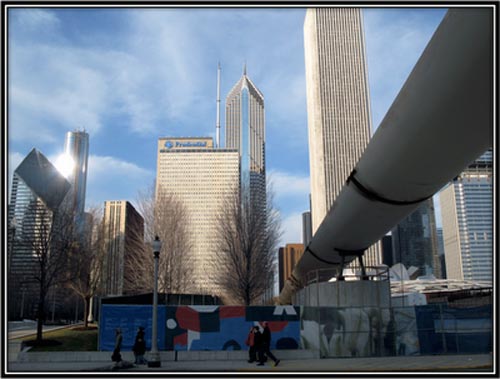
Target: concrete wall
[(358, 293)]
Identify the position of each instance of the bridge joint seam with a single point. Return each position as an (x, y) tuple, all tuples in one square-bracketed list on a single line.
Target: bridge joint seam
[(371, 195)]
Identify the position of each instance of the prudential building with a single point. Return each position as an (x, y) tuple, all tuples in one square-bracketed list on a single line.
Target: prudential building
[(201, 178)]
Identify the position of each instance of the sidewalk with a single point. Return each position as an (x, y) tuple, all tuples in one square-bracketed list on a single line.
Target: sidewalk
[(437, 363)]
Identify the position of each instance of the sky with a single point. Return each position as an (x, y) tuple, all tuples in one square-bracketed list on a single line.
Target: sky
[(131, 75)]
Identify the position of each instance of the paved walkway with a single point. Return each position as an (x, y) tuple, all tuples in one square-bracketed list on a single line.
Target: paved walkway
[(436, 363)]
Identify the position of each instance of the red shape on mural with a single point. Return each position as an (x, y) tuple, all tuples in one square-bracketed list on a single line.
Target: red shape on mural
[(275, 326), (227, 312), (181, 340), (188, 318)]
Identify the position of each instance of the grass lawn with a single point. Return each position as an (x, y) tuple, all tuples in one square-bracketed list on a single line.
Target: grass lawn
[(68, 339)]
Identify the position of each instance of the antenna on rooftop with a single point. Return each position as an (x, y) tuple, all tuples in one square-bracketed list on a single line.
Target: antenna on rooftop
[(217, 126)]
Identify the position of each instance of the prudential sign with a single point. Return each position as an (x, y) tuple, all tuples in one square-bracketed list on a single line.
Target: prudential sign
[(184, 144)]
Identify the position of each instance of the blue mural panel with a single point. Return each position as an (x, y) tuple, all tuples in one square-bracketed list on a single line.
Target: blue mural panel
[(129, 318)]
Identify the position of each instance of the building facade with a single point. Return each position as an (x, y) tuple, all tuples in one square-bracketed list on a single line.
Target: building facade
[(38, 190), (467, 216), (123, 241), (288, 257), (245, 132), (338, 110), (202, 178), (439, 232), (415, 243)]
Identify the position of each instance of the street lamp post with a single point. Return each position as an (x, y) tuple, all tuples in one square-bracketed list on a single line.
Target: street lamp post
[(154, 359)]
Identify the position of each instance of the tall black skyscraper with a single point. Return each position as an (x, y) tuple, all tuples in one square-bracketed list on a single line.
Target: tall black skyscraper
[(414, 240)]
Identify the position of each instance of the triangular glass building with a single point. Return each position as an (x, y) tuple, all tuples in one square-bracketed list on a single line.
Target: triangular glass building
[(38, 189), (245, 131)]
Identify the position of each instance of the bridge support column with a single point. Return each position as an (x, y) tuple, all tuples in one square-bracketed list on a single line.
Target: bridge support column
[(351, 253)]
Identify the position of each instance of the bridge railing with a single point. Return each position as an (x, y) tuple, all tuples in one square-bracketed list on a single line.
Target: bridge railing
[(373, 273)]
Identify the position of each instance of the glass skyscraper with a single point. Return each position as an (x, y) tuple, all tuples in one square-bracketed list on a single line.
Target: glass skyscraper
[(37, 192), (467, 213), (245, 132), (77, 147), (415, 243)]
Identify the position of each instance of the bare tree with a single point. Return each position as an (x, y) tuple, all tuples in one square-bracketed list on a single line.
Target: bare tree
[(164, 216), (247, 239), (49, 235), (86, 261)]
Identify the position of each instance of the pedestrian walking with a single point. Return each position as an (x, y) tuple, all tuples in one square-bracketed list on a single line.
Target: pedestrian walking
[(265, 347), (252, 343), (139, 347), (117, 357)]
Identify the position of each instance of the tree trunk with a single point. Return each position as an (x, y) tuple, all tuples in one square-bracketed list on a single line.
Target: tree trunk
[(41, 307), (41, 319), (86, 308)]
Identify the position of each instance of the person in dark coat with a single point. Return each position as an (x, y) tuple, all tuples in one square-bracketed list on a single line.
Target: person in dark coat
[(139, 347), (258, 344), (252, 343), (117, 357), (265, 346)]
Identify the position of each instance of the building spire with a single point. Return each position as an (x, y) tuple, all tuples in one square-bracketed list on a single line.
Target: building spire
[(245, 68), (217, 125)]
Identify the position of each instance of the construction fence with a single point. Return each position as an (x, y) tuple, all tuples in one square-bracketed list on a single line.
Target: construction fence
[(330, 331)]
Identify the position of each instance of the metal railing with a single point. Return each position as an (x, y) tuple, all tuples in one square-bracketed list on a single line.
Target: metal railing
[(373, 273)]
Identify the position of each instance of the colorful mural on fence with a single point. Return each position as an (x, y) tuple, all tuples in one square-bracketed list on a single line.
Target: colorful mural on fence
[(335, 332), (226, 328), (200, 327)]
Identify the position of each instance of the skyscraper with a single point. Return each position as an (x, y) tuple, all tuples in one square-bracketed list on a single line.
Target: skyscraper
[(338, 110), (202, 179), (306, 228), (467, 215), (37, 192), (414, 240), (123, 240), (76, 146), (245, 132)]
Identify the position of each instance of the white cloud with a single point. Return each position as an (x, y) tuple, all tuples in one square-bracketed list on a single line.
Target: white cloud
[(395, 39), (15, 160), (285, 184), (32, 19), (292, 229), (110, 178), (291, 199), (151, 78), (68, 90)]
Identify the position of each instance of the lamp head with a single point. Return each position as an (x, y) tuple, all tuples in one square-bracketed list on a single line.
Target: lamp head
[(156, 244)]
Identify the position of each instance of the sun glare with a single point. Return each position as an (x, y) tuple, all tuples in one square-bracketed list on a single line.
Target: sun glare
[(65, 164)]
